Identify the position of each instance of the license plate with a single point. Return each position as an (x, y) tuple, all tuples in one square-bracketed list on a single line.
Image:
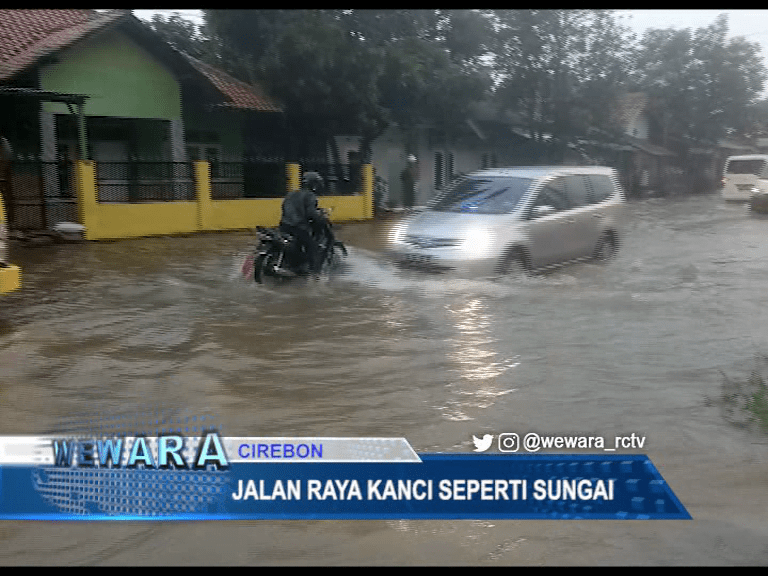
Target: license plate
[(247, 267), (416, 259)]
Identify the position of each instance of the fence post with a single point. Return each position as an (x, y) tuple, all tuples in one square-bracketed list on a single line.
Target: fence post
[(292, 171), (87, 203), (203, 194), (368, 190)]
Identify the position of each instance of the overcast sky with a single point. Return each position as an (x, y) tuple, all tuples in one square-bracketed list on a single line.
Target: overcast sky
[(752, 24)]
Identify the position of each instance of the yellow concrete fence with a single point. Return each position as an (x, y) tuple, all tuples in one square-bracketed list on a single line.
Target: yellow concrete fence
[(113, 220)]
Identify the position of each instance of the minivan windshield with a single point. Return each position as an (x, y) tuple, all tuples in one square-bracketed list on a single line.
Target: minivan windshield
[(482, 195), (754, 167)]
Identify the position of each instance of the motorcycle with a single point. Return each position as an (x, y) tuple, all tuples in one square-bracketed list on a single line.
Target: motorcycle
[(280, 256)]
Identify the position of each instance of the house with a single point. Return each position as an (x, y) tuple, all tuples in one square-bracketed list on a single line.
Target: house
[(644, 165), (101, 85), (487, 138)]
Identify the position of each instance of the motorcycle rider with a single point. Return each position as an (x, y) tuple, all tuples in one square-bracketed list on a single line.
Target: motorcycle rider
[(300, 215)]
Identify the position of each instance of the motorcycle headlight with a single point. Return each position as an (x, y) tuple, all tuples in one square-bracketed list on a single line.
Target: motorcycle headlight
[(478, 241)]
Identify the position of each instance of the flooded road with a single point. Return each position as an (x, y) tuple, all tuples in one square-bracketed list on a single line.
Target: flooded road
[(634, 346)]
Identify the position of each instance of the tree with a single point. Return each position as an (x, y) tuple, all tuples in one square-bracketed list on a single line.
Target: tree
[(758, 119), (356, 71), (179, 33), (701, 83), (327, 82), (561, 71), (432, 63), (324, 77)]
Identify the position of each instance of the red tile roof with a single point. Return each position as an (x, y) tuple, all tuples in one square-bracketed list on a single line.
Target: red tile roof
[(28, 35), (243, 96)]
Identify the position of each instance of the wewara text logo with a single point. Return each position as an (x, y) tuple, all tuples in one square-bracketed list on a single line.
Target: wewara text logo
[(145, 452)]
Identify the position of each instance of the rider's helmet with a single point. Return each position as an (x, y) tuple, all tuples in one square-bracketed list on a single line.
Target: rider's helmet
[(312, 181)]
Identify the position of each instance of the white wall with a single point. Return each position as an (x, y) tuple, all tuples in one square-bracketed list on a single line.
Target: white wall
[(639, 128), (389, 160)]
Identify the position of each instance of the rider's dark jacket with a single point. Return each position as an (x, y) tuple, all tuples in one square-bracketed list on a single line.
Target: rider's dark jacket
[(299, 208)]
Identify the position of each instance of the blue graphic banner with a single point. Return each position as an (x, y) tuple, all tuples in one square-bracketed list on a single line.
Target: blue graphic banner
[(429, 486)]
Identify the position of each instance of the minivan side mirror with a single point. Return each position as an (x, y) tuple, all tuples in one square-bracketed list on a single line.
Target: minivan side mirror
[(541, 211)]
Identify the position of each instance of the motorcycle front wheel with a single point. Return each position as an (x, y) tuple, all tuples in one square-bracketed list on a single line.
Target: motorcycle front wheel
[(263, 266), (334, 255)]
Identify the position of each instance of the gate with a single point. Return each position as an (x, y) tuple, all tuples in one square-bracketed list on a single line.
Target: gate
[(39, 194)]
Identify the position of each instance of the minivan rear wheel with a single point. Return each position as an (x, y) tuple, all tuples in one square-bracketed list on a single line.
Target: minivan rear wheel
[(606, 247), (514, 262)]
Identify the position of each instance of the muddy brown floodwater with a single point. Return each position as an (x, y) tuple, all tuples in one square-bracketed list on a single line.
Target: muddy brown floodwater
[(635, 345)]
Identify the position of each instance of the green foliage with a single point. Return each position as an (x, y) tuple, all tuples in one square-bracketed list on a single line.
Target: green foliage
[(757, 118), (355, 71), (178, 32), (314, 68), (324, 77), (560, 72), (745, 402), (185, 36), (702, 84), (421, 84)]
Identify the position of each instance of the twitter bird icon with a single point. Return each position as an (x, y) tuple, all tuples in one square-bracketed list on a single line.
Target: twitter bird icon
[(482, 444)]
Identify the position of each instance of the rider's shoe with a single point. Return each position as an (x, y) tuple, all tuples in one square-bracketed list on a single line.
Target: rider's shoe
[(284, 272)]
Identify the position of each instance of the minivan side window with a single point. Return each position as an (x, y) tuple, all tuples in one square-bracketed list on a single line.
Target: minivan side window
[(552, 194), (576, 190), (601, 188)]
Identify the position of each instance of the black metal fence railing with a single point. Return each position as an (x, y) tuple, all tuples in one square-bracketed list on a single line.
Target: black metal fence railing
[(338, 179), (248, 178), (144, 181), (39, 194)]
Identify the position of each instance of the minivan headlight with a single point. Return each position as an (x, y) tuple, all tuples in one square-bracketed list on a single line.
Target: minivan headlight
[(397, 233), (478, 241)]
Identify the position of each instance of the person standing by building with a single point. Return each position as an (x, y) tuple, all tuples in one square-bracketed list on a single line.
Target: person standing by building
[(409, 176)]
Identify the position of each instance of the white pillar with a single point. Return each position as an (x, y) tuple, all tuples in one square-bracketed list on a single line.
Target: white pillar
[(181, 174)]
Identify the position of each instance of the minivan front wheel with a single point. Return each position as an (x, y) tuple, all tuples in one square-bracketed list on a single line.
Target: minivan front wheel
[(606, 248), (514, 263)]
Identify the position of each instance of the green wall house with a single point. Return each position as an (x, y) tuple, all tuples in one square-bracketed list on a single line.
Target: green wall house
[(105, 87), (122, 77)]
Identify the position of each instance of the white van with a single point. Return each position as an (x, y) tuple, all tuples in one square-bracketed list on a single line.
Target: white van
[(741, 175)]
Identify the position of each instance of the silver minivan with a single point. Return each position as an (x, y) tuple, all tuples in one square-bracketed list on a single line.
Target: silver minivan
[(494, 221)]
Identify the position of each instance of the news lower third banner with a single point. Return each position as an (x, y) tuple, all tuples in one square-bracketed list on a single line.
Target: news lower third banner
[(208, 477)]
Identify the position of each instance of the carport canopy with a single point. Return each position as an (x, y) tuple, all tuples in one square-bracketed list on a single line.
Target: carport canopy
[(68, 99)]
